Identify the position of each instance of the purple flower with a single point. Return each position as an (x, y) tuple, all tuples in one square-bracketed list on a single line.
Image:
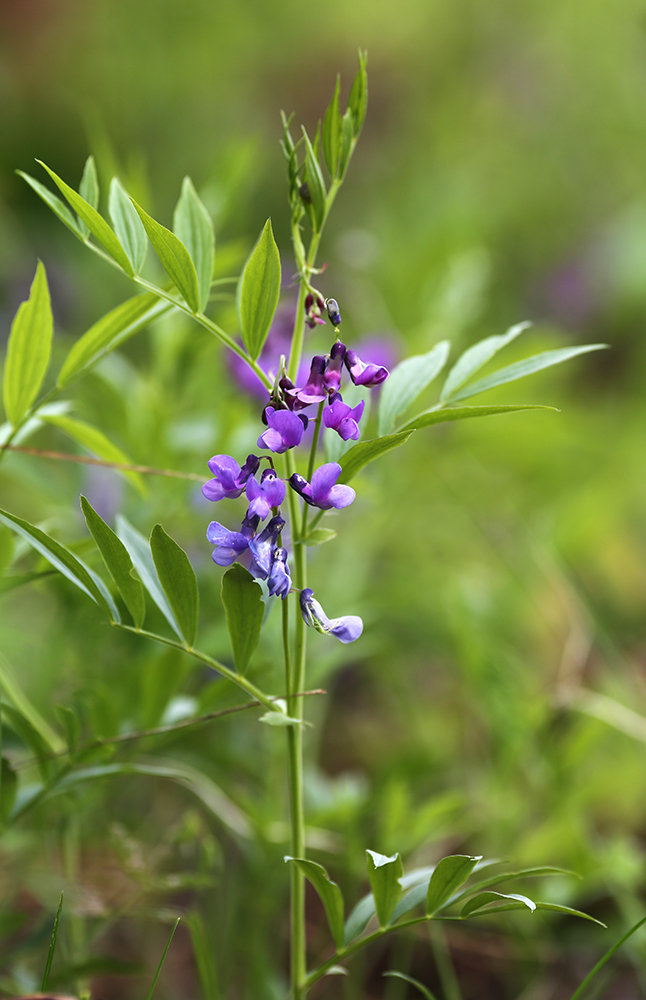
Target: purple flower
[(285, 430), (229, 478), (314, 390), (313, 306), (333, 312), (263, 495), (263, 547), (332, 376), (346, 629), (323, 493), (230, 544), (279, 580), (342, 418), (362, 374)]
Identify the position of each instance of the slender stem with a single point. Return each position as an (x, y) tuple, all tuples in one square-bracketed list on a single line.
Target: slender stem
[(147, 470), (315, 441)]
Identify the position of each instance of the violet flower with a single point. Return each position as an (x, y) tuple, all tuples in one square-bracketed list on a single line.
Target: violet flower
[(362, 374), (345, 629), (230, 544), (229, 478), (263, 547), (332, 376), (342, 418), (263, 495), (285, 430), (314, 390), (322, 492), (279, 581)]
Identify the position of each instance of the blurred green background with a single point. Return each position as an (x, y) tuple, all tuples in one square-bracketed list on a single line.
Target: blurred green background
[(499, 565)]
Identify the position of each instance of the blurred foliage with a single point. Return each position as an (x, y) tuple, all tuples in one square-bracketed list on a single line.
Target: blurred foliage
[(499, 565)]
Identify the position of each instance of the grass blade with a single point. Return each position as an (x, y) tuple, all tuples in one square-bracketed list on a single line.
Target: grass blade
[(161, 961), (52, 946), (608, 955)]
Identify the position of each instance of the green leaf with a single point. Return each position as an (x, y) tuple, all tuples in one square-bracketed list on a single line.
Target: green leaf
[(510, 876), (65, 562), (6, 549), (405, 383), (475, 357), (359, 918), (414, 982), (30, 737), (313, 177), (58, 207), (259, 291), (418, 894), (95, 441), (9, 788), (280, 719), (69, 720), (347, 140), (244, 609), (178, 580), (127, 225), (8, 583), (95, 223), (329, 893), (192, 223), (14, 694), (358, 99), (556, 907), (28, 350), (483, 898), (109, 332), (526, 367), (435, 416), (52, 946), (161, 961), (320, 535), (89, 189), (448, 876), (140, 553), (602, 961), (203, 954), (331, 137), (174, 257), (117, 562), (384, 874), (367, 451)]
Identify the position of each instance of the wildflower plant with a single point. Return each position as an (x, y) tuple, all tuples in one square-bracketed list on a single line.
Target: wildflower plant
[(284, 490)]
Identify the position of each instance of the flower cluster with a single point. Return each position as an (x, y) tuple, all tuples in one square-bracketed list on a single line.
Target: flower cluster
[(265, 492)]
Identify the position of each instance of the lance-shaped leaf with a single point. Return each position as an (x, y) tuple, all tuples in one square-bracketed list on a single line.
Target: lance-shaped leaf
[(484, 898), (108, 333), (511, 876), (406, 381), (30, 737), (418, 893), (127, 225), (441, 416), (95, 441), (475, 357), (141, 556), (28, 351), (117, 562), (174, 257), (384, 874), (192, 223), (329, 893), (8, 789), (14, 694), (95, 223), (347, 141), (313, 177), (89, 189), (64, 561), (318, 536), (516, 905), (259, 291), (178, 579), (244, 610), (331, 136), (358, 99), (367, 451), (58, 207), (448, 876), (414, 982), (523, 368)]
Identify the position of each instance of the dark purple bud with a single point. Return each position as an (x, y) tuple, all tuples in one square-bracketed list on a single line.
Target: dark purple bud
[(309, 301), (333, 312), (279, 581), (332, 377), (362, 374), (304, 191)]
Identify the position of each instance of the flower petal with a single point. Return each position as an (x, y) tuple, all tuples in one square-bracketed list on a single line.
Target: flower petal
[(346, 629), (341, 496), (323, 480)]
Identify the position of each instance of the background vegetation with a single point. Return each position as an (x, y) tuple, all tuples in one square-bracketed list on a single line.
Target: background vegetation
[(496, 702)]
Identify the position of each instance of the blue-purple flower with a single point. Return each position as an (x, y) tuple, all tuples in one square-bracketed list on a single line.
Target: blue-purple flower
[(345, 629), (263, 547), (342, 418), (332, 376), (323, 492), (230, 544), (229, 479), (364, 374), (263, 495), (279, 581), (314, 390), (285, 430)]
